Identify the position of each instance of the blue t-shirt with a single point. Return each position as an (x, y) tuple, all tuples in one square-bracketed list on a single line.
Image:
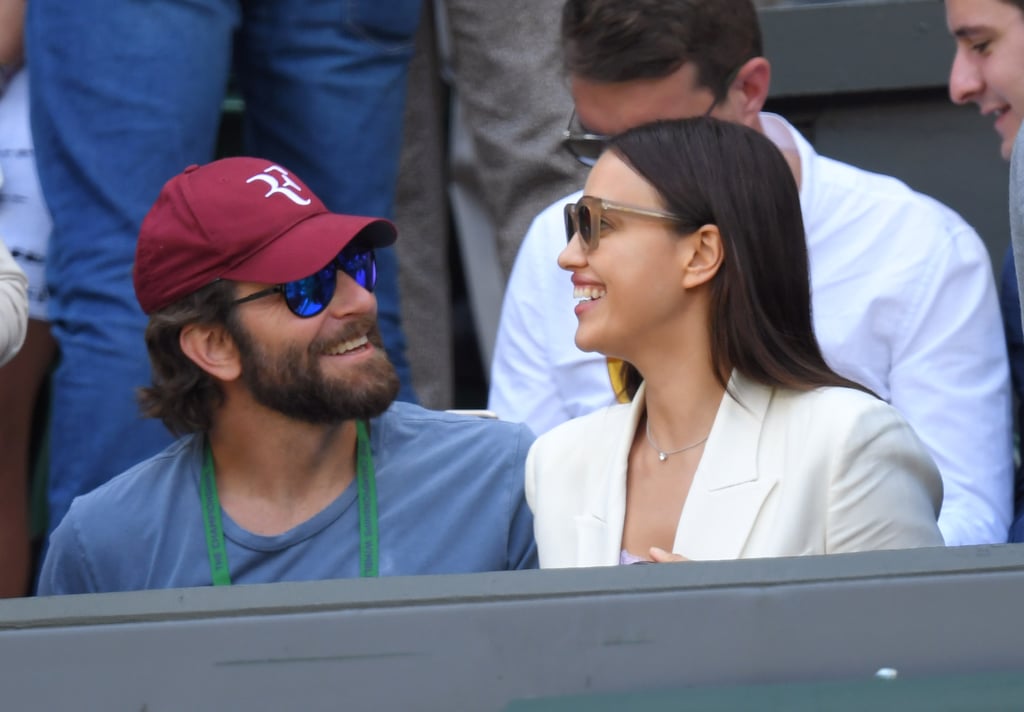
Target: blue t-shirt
[(449, 500)]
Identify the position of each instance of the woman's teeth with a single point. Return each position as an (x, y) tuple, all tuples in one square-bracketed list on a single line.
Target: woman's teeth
[(587, 294)]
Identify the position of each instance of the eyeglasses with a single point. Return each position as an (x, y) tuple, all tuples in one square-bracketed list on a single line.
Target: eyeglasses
[(310, 295), (584, 217), (587, 147), (584, 146)]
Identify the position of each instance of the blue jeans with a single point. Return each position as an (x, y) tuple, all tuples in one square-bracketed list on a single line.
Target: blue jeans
[(127, 94)]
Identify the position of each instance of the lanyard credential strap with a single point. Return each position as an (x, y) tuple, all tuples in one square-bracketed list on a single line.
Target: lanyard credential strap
[(369, 544), (366, 482), (212, 524)]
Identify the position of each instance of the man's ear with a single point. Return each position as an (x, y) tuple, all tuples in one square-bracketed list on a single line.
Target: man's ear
[(703, 254), (750, 90), (211, 348)]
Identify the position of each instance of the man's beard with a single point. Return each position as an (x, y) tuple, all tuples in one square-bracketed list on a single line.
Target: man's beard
[(293, 384)]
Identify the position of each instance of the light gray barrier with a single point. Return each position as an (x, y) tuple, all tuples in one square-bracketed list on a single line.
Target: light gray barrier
[(479, 642)]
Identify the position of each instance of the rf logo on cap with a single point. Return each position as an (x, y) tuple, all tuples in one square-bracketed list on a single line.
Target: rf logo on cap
[(276, 187)]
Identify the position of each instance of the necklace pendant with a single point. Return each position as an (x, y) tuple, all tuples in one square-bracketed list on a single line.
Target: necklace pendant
[(662, 456)]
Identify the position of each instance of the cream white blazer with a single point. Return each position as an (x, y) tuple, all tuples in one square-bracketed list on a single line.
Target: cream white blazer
[(783, 473)]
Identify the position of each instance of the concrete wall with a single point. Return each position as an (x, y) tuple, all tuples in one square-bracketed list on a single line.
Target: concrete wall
[(480, 642)]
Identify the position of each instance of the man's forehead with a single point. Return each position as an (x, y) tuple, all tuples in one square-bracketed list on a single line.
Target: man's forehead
[(970, 18), (612, 107)]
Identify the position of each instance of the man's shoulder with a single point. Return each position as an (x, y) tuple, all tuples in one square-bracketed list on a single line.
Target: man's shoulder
[(835, 192), (406, 422), (877, 196), (108, 540), (430, 451), (826, 180), (148, 481), (854, 211)]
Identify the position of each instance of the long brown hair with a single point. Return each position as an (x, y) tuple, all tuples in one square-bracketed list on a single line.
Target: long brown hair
[(714, 172)]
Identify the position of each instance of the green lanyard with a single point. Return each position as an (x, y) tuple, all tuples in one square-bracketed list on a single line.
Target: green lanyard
[(369, 544)]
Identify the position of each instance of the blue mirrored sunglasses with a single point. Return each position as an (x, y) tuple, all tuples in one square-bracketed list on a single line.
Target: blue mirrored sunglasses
[(310, 295)]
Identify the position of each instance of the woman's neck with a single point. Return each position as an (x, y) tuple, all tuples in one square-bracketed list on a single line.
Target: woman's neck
[(681, 405)]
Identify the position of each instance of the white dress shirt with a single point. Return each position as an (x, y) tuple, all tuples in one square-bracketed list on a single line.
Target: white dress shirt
[(904, 303)]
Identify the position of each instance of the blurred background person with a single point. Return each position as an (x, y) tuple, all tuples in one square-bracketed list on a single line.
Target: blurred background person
[(25, 227), (13, 306), (988, 70), (489, 148)]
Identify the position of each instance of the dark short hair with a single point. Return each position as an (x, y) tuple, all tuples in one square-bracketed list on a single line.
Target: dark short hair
[(710, 172), (183, 395), (1018, 3), (624, 40)]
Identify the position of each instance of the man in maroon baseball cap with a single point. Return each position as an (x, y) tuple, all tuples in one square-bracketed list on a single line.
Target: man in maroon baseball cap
[(243, 219), (295, 461)]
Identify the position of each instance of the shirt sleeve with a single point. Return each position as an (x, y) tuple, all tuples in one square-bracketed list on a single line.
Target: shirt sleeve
[(66, 567), (522, 549), (13, 305), (523, 387), (950, 380), (885, 491)]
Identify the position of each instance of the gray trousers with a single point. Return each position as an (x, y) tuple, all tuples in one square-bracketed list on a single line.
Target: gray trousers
[(500, 165)]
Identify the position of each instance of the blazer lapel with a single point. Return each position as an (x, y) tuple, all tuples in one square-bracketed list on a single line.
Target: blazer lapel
[(599, 528), (728, 489)]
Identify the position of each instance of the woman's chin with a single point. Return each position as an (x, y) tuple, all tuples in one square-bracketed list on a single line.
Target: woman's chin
[(583, 343), (589, 342)]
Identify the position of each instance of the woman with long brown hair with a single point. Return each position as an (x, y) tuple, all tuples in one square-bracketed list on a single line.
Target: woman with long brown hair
[(689, 261)]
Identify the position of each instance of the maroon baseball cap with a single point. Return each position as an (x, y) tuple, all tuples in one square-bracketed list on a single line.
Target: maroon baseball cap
[(245, 219)]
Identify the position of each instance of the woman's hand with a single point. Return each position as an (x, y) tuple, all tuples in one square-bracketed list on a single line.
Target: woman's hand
[(660, 556)]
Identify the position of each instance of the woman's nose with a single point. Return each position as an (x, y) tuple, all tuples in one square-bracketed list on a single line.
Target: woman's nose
[(573, 256)]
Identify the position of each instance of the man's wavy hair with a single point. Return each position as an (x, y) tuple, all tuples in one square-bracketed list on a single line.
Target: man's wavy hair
[(711, 172), (625, 40), (183, 395)]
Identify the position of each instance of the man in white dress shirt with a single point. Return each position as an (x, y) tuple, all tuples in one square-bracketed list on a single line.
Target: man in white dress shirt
[(903, 294)]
